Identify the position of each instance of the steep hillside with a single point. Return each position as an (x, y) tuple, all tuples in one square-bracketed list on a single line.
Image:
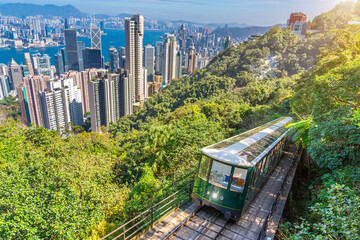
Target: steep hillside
[(85, 185)]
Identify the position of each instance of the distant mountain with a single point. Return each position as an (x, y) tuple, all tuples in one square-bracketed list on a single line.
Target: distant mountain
[(124, 15), (230, 25), (243, 32), (101, 15), (48, 10)]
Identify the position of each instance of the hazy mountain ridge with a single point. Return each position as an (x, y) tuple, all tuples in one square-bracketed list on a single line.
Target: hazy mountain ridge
[(241, 32), (66, 11), (47, 10)]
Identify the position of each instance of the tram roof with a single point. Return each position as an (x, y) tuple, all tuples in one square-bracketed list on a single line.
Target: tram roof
[(244, 149)]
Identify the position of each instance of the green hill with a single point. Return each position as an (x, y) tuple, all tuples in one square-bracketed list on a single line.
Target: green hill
[(85, 185)]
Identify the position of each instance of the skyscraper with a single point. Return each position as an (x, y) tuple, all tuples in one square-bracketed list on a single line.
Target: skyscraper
[(16, 76), (25, 71), (159, 57), (86, 76), (65, 60), (191, 62), (42, 65), (59, 64), (4, 70), (113, 59), (28, 63), (93, 58), (4, 86), (102, 99), (169, 58), (29, 99), (61, 104), (134, 33), (227, 42), (67, 24), (81, 54), (95, 33), (122, 57), (110, 98), (149, 59), (125, 94), (178, 65), (72, 49)]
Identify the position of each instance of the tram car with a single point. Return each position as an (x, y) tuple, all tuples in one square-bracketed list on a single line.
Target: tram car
[(232, 172)]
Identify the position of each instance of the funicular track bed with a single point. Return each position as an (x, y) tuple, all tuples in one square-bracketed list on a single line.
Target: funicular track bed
[(206, 223)]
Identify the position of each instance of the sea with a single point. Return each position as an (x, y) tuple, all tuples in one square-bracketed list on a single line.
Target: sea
[(112, 38)]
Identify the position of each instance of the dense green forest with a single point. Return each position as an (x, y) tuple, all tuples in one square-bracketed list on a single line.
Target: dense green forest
[(85, 185)]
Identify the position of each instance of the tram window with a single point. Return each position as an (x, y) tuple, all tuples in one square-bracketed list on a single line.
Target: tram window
[(268, 159), (264, 164), (220, 174), (238, 180), (204, 167)]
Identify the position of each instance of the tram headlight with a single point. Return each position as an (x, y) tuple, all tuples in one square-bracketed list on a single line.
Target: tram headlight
[(221, 198), (214, 195)]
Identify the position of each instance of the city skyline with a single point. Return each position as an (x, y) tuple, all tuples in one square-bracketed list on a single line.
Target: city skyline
[(252, 12)]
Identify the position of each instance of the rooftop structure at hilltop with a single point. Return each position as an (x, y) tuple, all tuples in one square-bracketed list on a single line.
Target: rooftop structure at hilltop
[(298, 23)]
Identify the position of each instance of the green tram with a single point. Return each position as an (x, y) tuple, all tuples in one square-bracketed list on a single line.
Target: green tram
[(232, 172)]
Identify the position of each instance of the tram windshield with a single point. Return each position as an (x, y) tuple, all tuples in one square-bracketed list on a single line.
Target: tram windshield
[(204, 167), (220, 174), (238, 180)]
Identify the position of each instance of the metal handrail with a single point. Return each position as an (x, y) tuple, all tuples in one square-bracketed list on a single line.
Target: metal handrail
[(150, 215)]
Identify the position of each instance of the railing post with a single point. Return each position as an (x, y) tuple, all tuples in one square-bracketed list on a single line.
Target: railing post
[(152, 214), (173, 190), (124, 236)]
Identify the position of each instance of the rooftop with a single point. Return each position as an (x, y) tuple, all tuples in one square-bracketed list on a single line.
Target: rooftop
[(243, 150)]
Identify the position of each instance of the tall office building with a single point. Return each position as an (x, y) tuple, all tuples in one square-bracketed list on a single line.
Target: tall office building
[(24, 105), (29, 99), (59, 64), (4, 70), (65, 59), (134, 34), (36, 28), (61, 105), (86, 76), (159, 58), (16, 76), (72, 50), (169, 58), (110, 98), (4, 86), (125, 88), (191, 62), (25, 71), (67, 24), (113, 59), (42, 65), (227, 42), (95, 33), (182, 37), (101, 100), (178, 65), (122, 57), (81, 54), (81, 79), (28, 63), (93, 58), (149, 60)]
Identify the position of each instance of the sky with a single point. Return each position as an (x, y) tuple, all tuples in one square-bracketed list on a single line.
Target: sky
[(252, 12)]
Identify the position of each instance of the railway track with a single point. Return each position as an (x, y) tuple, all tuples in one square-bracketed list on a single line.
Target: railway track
[(204, 224)]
